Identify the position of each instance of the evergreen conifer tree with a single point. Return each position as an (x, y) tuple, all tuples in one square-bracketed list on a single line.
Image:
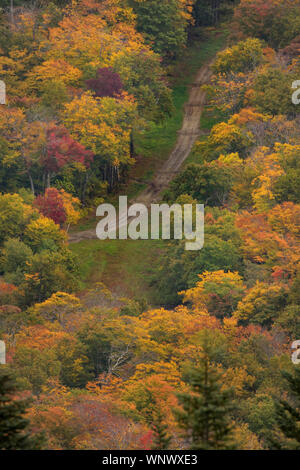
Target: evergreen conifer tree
[(288, 415), (161, 437), (13, 434), (205, 414)]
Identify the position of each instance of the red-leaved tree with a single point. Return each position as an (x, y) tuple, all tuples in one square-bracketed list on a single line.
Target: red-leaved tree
[(62, 150), (106, 83), (51, 205)]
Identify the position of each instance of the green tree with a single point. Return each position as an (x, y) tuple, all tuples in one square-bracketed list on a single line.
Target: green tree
[(15, 256), (208, 12), (205, 413), (144, 77), (272, 92), (13, 425), (209, 183), (288, 414), (242, 57), (180, 268), (286, 187), (161, 437), (75, 366), (163, 24), (14, 216), (49, 272)]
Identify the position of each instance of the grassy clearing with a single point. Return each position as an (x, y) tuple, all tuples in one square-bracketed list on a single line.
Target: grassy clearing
[(125, 266)]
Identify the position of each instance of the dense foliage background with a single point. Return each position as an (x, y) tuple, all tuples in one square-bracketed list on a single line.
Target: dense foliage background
[(95, 92)]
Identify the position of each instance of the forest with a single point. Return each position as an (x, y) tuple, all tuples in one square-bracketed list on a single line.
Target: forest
[(141, 344)]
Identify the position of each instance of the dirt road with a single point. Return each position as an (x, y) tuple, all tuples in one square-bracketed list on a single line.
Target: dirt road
[(186, 138)]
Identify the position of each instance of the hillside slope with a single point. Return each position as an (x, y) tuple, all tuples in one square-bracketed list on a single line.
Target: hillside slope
[(186, 138)]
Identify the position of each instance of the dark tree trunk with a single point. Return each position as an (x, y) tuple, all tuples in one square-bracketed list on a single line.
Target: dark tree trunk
[(12, 14), (132, 153), (31, 182)]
